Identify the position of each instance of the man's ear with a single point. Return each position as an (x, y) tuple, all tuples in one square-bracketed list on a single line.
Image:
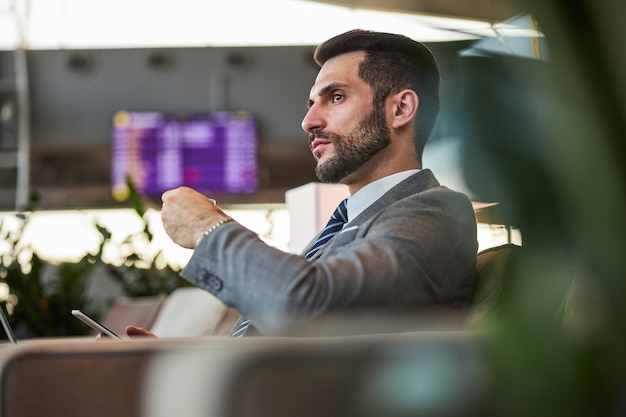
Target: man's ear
[(404, 107)]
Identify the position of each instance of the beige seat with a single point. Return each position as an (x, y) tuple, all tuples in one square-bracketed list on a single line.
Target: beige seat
[(186, 312), (191, 311), (76, 377), (140, 311)]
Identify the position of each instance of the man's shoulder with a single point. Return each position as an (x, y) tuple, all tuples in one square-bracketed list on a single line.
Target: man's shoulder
[(424, 186)]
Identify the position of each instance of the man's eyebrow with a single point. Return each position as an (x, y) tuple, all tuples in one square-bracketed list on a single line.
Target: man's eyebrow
[(324, 90)]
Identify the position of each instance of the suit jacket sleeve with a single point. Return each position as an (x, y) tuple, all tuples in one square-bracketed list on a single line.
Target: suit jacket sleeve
[(418, 250)]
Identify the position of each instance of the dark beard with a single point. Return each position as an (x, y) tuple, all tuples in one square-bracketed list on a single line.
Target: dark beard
[(356, 148)]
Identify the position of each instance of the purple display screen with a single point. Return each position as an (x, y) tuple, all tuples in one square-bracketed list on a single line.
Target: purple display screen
[(210, 152)]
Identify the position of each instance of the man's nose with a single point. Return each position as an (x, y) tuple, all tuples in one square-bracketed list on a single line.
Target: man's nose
[(312, 120)]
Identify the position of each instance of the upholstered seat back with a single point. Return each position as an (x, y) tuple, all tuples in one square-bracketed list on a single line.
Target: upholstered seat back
[(492, 266)]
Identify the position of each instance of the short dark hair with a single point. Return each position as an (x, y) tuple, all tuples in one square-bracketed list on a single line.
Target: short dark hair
[(392, 63)]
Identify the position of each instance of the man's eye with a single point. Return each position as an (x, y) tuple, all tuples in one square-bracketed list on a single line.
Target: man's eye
[(336, 98)]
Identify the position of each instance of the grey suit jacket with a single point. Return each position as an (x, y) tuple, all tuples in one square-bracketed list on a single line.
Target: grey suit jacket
[(415, 246)]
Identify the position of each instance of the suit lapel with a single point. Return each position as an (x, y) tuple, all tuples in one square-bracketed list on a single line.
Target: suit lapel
[(414, 184)]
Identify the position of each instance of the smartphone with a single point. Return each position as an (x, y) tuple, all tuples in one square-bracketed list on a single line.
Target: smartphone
[(7, 327), (94, 324)]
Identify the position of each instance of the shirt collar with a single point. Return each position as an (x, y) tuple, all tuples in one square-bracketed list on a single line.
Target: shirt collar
[(367, 195)]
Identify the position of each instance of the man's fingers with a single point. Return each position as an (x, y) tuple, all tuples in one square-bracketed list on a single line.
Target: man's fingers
[(134, 331)]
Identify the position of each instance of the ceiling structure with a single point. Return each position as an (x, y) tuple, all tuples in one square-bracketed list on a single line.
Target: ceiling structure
[(76, 24)]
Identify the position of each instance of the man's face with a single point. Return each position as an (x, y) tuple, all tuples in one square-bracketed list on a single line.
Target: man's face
[(345, 127)]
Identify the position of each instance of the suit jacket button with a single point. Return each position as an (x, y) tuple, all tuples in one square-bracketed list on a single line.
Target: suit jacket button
[(211, 281), (215, 282)]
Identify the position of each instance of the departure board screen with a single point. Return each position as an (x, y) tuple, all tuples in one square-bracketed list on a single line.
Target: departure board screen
[(211, 152)]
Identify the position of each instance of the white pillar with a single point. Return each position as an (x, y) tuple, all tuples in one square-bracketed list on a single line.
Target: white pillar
[(309, 207)]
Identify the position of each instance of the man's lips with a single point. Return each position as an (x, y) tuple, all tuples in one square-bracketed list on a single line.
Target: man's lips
[(317, 143)]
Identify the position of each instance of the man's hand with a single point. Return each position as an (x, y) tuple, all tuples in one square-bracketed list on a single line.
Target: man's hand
[(187, 214), (135, 332)]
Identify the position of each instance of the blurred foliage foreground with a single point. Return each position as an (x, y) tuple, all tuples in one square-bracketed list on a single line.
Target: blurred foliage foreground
[(39, 296)]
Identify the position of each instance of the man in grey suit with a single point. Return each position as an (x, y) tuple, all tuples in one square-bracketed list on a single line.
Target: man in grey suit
[(408, 242)]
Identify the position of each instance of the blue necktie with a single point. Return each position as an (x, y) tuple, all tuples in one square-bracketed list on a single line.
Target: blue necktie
[(334, 225), (242, 325)]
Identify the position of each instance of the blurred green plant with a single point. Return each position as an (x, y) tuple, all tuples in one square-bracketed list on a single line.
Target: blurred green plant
[(39, 296), (138, 275)]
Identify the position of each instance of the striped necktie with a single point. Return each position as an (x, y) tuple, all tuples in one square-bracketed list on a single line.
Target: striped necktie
[(334, 225), (240, 328)]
